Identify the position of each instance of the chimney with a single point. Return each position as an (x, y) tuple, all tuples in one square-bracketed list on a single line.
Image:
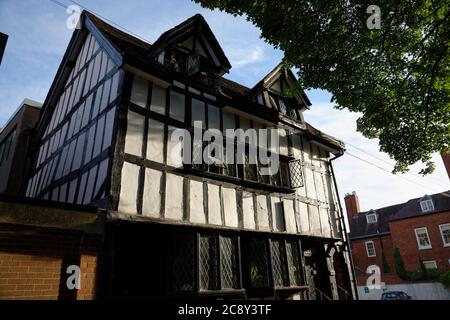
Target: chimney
[(446, 159), (351, 205)]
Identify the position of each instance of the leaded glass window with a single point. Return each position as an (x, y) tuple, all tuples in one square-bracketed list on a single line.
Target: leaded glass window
[(228, 263), (293, 258), (208, 263), (184, 264), (280, 276), (258, 263)]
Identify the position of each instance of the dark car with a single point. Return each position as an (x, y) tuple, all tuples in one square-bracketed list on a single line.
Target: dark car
[(395, 295)]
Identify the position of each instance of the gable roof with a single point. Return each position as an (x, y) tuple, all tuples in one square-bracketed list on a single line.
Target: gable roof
[(411, 208), (359, 228), (196, 22), (125, 48), (280, 72)]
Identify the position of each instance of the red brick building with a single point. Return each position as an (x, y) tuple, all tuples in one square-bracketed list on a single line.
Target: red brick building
[(419, 228)]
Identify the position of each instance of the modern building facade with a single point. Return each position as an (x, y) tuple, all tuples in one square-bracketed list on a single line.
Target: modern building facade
[(200, 229), (419, 229), (14, 140)]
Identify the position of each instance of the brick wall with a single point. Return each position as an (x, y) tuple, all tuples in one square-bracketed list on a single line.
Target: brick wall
[(33, 263), (403, 236), (361, 261)]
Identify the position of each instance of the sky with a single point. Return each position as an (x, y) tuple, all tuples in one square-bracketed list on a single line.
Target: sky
[(38, 38)]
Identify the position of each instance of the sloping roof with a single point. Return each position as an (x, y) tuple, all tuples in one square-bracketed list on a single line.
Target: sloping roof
[(360, 228), (188, 25), (279, 69), (441, 202), (410, 209), (136, 50)]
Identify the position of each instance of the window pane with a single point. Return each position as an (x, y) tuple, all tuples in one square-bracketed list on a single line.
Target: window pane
[(293, 263), (258, 264), (183, 269), (177, 106), (445, 231), (158, 99), (198, 112), (422, 238), (213, 117), (228, 263), (208, 263), (139, 91), (280, 277)]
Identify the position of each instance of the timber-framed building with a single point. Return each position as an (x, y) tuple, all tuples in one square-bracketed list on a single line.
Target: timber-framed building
[(174, 229)]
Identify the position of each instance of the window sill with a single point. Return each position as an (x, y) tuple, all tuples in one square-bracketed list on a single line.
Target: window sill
[(425, 248)]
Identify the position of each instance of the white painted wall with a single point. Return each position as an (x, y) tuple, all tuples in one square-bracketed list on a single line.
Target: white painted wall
[(418, 291)]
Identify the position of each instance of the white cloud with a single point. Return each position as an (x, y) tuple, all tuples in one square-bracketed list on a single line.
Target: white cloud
[(376, 188), (240, 57)]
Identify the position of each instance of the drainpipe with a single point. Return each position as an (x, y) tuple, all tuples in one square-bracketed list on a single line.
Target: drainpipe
[(341, 217)]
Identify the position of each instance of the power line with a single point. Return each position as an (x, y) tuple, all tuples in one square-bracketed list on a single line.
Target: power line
[(386, 170), (389, 163), (102, 17)]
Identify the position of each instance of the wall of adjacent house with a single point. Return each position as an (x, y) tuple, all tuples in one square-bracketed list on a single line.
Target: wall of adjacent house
[(151, 186), (33, 264), (417, 291), (403, 237), (73, 155)]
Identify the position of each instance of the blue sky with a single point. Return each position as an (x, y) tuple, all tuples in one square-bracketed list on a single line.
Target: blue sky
[(38, 37)]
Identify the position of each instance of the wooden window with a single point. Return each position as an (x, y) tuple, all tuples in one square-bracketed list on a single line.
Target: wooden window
[(370, 249), (445, 234), (423, 240)]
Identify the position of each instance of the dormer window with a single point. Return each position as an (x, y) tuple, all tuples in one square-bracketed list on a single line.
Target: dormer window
[(427, 205), (371, 217)]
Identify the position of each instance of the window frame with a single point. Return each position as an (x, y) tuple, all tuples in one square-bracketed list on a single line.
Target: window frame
[(442, 234), (429, 261), (371, 218), (420, 247), (427, 205), (367, 249)]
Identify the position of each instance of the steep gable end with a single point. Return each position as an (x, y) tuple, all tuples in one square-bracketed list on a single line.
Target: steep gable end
[(195, 38)]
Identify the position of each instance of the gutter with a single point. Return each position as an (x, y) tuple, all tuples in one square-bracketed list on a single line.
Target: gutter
[(341, 218)]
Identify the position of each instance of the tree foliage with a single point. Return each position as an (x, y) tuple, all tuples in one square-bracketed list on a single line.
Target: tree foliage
[(384, 262), (399, 264), (396, 76)]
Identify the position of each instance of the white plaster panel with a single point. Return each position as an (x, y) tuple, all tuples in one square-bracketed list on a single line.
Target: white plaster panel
[(304, 217), (324, 218), (135, 134), (128, 189), (230, 208), (196, 209), (155, 141), (151, 203), (262, 212), (277, 214), (289, 216), (248, 210), (174, 197), (314, 220), (214, 214)]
